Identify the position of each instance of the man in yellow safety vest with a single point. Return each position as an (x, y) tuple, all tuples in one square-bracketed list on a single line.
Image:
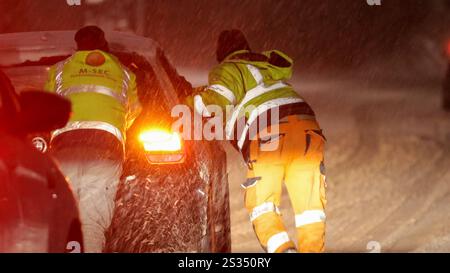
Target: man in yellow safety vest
[(90, 149), (257, 81)]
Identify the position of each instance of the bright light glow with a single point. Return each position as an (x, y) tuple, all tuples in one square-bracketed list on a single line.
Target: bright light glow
[(160, 141)]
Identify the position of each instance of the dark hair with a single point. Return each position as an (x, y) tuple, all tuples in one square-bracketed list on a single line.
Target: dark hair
[(230, 41), (91, 38)]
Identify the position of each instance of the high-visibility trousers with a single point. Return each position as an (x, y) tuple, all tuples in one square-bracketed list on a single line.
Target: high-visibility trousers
[(93, 172), (297, 158)]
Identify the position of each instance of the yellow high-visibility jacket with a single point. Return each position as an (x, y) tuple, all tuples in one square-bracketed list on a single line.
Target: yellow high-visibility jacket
[(251, 79), (102, 91)]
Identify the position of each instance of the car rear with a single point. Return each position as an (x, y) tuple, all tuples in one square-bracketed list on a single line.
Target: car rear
[(174, 194)]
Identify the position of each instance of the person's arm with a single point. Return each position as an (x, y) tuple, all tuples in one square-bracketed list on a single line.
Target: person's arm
[(225, 88)]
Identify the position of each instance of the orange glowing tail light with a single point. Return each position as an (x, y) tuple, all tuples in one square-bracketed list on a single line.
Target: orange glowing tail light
[(162, 146)]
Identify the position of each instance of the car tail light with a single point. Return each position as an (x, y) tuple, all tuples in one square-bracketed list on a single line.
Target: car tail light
[(162, 147)]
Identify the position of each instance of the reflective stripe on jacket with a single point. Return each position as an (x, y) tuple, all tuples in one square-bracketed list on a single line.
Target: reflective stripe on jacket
[(102, 91), (246, 79)]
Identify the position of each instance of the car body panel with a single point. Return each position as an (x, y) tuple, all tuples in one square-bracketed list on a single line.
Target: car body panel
[(38, 212)]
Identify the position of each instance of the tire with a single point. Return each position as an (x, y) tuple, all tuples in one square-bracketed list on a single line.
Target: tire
[(219, 224)]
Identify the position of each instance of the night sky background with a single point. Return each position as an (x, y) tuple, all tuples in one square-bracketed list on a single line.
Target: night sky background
[(319, 35)]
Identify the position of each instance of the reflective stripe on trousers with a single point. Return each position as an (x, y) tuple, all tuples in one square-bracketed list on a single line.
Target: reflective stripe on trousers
[(309, 217), (263, 209), (276, 241)]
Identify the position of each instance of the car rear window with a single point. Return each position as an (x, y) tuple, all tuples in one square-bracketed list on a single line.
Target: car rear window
[(28, 77), (25, 57)]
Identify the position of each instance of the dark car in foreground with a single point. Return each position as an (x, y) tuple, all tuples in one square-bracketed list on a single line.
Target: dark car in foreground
[(38, 212)]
